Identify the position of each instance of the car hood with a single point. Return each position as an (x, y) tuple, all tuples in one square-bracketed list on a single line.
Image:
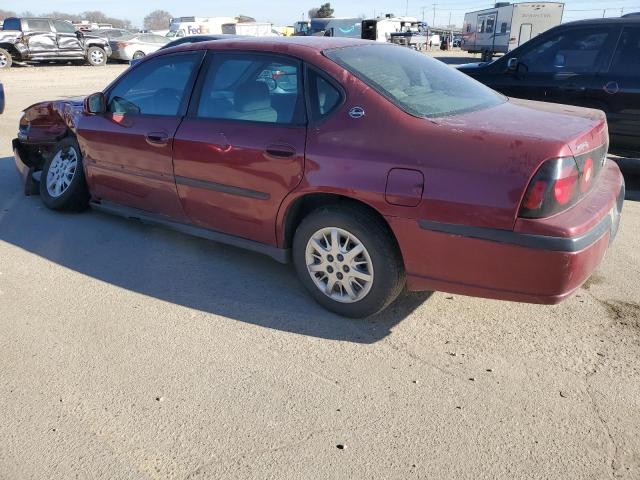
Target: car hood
[(471, 66)]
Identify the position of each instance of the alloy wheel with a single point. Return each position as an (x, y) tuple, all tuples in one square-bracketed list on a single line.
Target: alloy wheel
[(339, 265), (61, 171), (97, 56), (4, 61)]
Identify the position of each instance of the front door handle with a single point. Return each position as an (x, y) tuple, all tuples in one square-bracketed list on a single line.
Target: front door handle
[(282, 151), (157, 138)]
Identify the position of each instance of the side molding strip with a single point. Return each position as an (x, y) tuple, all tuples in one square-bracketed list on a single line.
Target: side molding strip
[(541, 242), (281, 255), (219, 187)]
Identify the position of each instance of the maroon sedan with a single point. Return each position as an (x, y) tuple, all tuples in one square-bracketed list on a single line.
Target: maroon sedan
[(373, 167)]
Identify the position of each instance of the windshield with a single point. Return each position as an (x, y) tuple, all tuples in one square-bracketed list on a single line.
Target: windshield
[(419, 85)]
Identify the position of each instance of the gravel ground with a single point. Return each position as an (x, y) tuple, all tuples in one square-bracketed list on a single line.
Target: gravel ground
[(133, 352)]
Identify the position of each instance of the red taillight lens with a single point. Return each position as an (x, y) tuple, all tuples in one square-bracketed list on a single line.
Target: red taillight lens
[(554, 187), (587, 175)]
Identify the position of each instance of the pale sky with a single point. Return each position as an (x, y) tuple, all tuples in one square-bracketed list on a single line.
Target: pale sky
[(285, 12)]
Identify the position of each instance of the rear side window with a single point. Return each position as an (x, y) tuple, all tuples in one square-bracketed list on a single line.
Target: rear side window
[(35, 25), (255, 88), (155, 87), (579, 50), (323, 96), (626, 60), (419, 85)]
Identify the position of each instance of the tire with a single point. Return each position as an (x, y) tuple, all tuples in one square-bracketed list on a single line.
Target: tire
[(6, 60), (380, 260), (63, 185), (138, 55), (96, 56)]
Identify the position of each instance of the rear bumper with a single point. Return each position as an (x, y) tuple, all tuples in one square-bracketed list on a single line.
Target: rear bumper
[(504, 265)]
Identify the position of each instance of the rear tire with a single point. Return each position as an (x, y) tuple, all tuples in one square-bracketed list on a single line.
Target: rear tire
[(6, 60), (62, 181), (350, 285), (96, 56)]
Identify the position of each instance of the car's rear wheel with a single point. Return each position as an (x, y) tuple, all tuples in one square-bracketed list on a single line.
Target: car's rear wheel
[(62, 181), (138, 55), (348, 260), (5, 58), (96, 56)]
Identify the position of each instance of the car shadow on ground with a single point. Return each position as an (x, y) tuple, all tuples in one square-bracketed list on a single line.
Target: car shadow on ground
[(179, 269)]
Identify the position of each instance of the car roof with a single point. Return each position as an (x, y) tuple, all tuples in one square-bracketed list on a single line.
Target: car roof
[(278, 43), (605, 21)]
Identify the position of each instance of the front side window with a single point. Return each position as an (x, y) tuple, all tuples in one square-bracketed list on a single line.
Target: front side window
[(491, 21), (257, 88), (504, 27), (626, 61), (419, 85), (155, 87), (571, 51), (63, 27)]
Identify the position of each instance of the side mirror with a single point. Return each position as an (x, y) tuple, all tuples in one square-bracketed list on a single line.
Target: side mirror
[(1, 98), (95, 103), (512, 65)]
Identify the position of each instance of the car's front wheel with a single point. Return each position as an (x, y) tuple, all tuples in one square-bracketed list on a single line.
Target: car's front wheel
[(62, 181), (348, 260), (96, 56)]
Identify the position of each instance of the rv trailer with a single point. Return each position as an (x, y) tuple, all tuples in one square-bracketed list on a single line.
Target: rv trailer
[(507, 26)]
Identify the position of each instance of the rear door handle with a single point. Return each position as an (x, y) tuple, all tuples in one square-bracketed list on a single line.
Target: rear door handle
[(573, 88), (282, 151), (157, 138)]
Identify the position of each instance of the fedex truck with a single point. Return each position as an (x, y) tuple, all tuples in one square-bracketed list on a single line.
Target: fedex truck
[(507, 26), (185, 26)]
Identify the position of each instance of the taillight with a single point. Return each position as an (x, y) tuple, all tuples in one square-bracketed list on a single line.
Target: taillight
[(558, 184)]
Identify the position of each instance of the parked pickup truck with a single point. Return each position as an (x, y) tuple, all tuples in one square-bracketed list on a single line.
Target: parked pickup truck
[(44, 40)]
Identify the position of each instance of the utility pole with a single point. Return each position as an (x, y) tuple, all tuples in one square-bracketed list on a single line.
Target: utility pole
[(406, 10), (434, 15)]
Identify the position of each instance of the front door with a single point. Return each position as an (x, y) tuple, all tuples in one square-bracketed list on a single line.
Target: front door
[(240, 150), (560, 67), (128, 150), (69, 43)]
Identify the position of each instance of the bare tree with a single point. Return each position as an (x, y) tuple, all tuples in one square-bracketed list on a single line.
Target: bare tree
[(157, 20), (6, 14)]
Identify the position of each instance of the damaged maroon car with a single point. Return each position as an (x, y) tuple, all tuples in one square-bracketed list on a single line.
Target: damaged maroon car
[(374, 168)]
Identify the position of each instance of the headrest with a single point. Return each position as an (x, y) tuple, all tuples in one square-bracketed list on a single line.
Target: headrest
[(252, 96)]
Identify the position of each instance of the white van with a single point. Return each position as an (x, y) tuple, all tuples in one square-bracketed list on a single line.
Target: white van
[(185, 26)]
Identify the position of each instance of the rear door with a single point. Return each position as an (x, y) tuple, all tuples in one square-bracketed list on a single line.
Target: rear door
[(40, 38), (240, 150), (128, 150), (67, 38), (618, 93)]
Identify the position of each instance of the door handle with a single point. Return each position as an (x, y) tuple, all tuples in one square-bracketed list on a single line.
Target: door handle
[(572, 88), (157, 138), (282, 151)]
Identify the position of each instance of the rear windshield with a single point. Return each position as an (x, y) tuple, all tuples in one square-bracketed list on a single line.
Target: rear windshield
[(419, 85)]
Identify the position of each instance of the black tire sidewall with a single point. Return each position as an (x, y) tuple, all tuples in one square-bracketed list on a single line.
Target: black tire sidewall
[(104, 53), (75, 197), (387, 264)]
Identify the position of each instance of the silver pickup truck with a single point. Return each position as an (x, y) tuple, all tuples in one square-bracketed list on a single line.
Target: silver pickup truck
[(49, 40)]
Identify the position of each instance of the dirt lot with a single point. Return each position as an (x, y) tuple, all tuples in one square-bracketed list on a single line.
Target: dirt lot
[(134, 352)]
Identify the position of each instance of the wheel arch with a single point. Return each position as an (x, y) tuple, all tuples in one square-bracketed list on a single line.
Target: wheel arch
[(11, 48), (301, 206)]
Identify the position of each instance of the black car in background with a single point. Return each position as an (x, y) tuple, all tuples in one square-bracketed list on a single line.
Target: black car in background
[(590, 63)]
